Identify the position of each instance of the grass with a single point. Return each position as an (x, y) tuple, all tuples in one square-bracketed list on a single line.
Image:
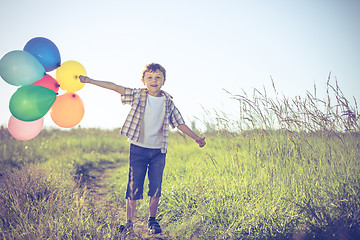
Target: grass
[(285, 169), (252, 187), (43, 190), (37, 204)]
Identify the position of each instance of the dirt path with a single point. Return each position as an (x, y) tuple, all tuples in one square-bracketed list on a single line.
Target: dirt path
[(99, 195)]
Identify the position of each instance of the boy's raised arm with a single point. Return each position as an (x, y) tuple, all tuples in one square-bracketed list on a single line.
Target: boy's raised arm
[(103, 84)]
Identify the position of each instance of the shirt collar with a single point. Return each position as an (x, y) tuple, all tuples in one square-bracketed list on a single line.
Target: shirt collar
[(163, 93)]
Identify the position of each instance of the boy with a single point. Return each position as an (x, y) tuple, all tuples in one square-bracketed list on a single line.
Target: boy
[(147, 127)]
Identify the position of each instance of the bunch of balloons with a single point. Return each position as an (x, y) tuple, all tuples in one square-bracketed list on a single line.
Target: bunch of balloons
[(38, 91)]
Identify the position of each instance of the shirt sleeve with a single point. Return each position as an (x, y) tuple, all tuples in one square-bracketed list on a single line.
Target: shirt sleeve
[(175, 118), (128, 97)]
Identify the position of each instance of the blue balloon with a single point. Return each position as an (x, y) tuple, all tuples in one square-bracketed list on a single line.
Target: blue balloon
[(20, 68), (45, 51)]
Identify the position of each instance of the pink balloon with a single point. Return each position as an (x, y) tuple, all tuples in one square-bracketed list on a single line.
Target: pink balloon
[(48, 82), (24, 130)]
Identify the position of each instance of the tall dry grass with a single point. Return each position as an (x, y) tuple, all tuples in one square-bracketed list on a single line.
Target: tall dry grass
[(329, 115)]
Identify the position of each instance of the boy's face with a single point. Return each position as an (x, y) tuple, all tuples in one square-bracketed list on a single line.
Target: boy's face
[(153, 82)]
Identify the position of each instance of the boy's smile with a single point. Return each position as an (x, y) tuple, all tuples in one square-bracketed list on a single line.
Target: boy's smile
[(153, 82)]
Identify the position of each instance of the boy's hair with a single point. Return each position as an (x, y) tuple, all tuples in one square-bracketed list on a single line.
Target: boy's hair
[(152, 67)]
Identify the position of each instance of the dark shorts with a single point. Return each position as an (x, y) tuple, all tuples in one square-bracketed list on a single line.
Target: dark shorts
[(142, 159)]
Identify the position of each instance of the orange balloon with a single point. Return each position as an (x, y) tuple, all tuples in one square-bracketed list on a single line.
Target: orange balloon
[(68, 110)]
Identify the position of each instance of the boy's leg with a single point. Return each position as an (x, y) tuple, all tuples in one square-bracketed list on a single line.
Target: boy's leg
[(156, 168), (130, 215), (153, 225), (134, 190), (130, 209), (153, 206), (155, 173), (138, 165)]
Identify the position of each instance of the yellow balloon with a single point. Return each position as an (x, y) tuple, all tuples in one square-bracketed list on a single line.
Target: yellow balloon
[(68, 76)]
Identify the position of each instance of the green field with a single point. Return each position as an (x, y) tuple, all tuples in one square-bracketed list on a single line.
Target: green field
[(254, 185), (298, 182)]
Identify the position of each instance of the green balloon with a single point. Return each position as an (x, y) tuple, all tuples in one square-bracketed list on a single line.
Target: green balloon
[(31, 102)]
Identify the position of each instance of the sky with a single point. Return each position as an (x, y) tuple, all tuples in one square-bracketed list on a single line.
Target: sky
[(205, 47)]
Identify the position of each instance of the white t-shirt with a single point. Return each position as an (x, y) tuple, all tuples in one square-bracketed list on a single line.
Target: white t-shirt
[(151, 125)]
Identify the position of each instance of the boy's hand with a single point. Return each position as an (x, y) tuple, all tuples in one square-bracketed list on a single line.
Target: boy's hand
[(84, 79), (200, 141)]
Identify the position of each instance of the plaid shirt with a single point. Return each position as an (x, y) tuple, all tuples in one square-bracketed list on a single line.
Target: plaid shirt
[(137, 99)]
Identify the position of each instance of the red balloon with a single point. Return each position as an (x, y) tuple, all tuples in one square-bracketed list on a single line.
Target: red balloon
[(48, 82)]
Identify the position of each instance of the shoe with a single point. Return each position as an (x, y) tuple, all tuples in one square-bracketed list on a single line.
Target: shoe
[(126, 226), (154, 227)]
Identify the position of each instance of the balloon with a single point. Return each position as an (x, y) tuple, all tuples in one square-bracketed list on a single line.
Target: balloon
[(31, 102), (48, 82), (45, 51), (20, 68), (68, 110), (22, 130), (67, 75)]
